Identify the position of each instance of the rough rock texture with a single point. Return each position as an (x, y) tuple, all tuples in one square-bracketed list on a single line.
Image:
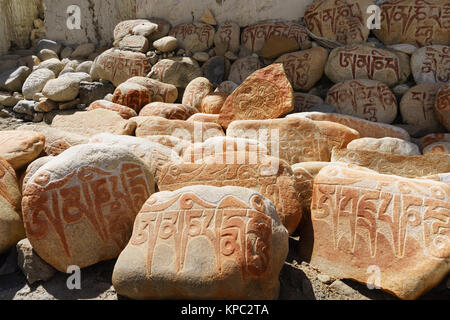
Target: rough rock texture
[(385, 145), (430, 64), (176, 71), (124, 111), (169, 111), (241, 266), (442, 106), (20, 148), (411, 256), (83, 233)]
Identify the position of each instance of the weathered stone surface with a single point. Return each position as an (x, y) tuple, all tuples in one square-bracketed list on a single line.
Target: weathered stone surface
[(442, 106), (62, 89), (433, 138), (69, 105), (94, 122), (242, 266), (84, 175), (437, 147), (194, 37), (31, 170), (304, 101), (159, 91), (54, 65), (13, 79), (365, 128), (341, 21), (118, 66), (166, 44), (190, 131), (85, 67), (176, 71), (367, 99), (401, 240), (134, 43), (46, 54), (124, 111), (430, 64), (201, 56), (205, 117), (33, 267), (276, 46), (154, 155), (226, 150), (304, 68), (404, 166), (385, 145), (11, 225), (227, 38), (365, 62), (169, 111), (268, 171), (208, 18), (291, 139), (8, 100), (216, 70), (132, 95), (176, 144), (266, 94), (255, 36), (336, 135), (36, 82), (83, 50), (78, 76), (213, 103), (227, 87), (126, 28), (20, 148), (93, 91), (242, 68), (420, 23), (56, 141), (417, 108), (25, 107), (195, 91)]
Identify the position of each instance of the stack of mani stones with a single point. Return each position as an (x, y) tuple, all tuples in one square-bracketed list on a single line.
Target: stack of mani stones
[(197, 150)]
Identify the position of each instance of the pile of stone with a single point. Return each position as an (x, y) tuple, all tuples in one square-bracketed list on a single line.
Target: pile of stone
[(216, 143)]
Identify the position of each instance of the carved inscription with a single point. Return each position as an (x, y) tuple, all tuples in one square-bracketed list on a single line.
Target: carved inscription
[(436, 63), (235, 230), (5, 169)]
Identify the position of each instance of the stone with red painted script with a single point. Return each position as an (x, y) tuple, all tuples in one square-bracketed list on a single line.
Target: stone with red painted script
[(242, 68), (255, 36), (366, 99), (417, 108), (266, 94), (124, 111), (195, 36), (341, 21), (304, 68), (132, 95), (170, 111), (11, 225), (227, 38), (159, 91), (233, 247), (304, 101), (431, 64), (442, 106), (365, 62), (195, 91), (79, 208), (367, 223), (417, 22)]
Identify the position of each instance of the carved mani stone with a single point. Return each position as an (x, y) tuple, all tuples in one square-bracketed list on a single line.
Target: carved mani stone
[(292, 139), (385, 145), (365, 62), (20, 148), (431, 64), (367, 99), (270, 176), (11, 225), (203, 242), (79, 208), (176, 144), (132, 95), (417, 22), (189, 131), (360, 220), (432, 138), (438, 147), (194, 37), (341, 21), (196, 90), (365, 128), (159, 91), (266, 94), (404, 166), (442, 106)]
